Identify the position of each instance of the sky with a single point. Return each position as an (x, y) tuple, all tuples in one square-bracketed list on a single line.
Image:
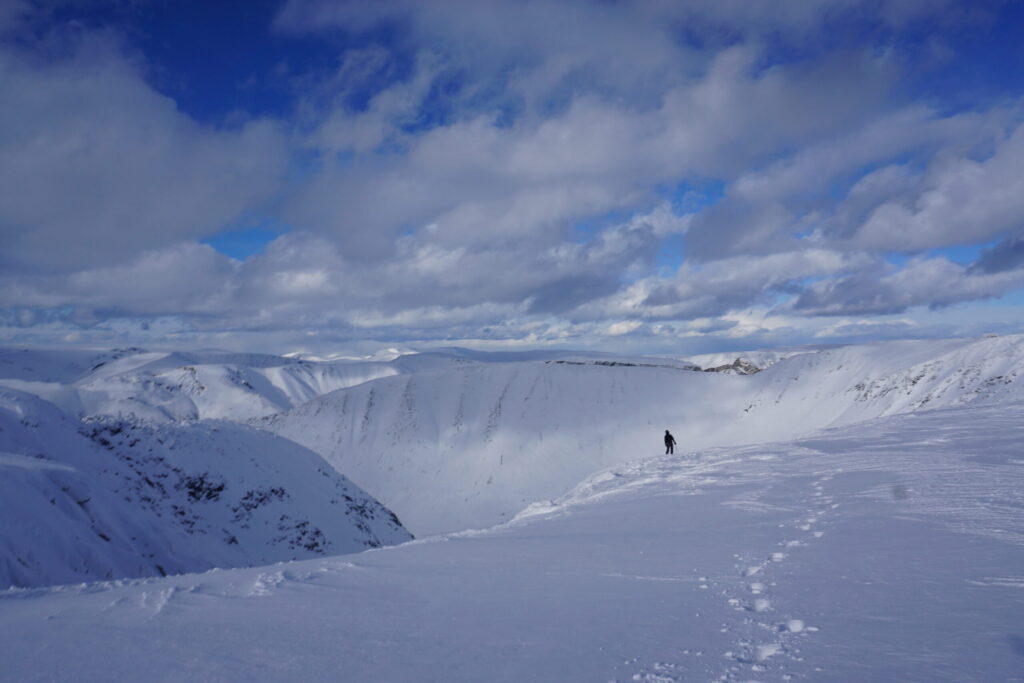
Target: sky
[(654, 176)]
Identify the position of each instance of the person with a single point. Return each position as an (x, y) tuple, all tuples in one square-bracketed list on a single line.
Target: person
[(670, 442)]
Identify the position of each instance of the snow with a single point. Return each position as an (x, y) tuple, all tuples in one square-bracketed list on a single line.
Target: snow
[(167, 387), (108, 499), (847, 514), (916, 576), (762, 358), (174, 386), (470, 446)]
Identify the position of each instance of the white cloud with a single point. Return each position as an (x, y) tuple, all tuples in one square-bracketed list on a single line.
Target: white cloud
[(769, 209), (717, 288), (958, 200), (479, 181), (622, 327), (96, 166), (469, 168)]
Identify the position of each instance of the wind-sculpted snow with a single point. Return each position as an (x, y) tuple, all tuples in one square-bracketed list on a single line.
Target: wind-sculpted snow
[(115, 498), (471, 446), (889, 550)]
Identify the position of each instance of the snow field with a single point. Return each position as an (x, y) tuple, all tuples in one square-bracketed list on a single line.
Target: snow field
[(849, 514), (666, 569)]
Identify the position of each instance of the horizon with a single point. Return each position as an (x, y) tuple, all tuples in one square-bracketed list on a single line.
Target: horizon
[(382, 354), (319, 177)]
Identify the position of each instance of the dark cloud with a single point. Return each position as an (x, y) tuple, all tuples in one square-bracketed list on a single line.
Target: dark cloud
[(933, 283), (1007, 255)]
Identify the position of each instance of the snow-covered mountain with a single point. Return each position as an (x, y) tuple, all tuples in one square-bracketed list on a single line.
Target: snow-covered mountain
[(448, 440), (848, 513), (178, 386), (175, 386), (889, 550), (472, 445), (82, 501)]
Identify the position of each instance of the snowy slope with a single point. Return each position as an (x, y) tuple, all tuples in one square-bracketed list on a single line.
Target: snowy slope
[(469, 447), (472, 446), (115, 498), (175, 386), (890, 550), (178, 386), (855, 383)]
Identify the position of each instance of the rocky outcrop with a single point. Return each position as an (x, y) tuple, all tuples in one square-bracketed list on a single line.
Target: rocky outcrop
[(737, 367)]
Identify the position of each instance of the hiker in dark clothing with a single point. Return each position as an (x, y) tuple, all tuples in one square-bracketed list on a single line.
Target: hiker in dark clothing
[(670, 442)]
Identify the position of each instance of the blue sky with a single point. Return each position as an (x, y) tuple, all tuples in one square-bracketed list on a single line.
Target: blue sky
[(332, 176)]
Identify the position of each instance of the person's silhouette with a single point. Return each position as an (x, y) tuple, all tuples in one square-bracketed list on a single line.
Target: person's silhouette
[(670, 443)]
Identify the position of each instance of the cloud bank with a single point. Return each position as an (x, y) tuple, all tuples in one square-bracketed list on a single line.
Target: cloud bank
[(648, 175)]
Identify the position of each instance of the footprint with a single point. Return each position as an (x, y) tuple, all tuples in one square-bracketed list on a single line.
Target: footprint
[(778, 557), (794, 625), (265, 583)]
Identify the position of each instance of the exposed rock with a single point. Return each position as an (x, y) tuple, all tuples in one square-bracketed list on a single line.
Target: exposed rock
[(737, 367)]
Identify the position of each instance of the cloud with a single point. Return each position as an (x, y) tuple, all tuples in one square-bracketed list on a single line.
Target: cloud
[(878, 163), (512, 171), (957, 200), (96, 166), (538, 27), (187, 278), (869, 329), (1007, 255), (480, 181), (717, 288), (931, 282), (305, 279)]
